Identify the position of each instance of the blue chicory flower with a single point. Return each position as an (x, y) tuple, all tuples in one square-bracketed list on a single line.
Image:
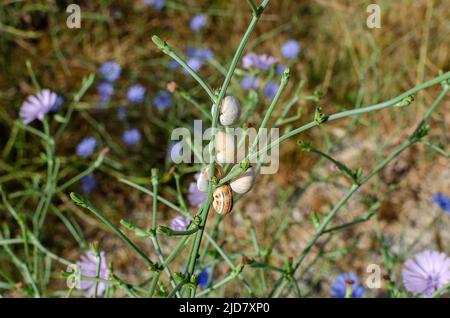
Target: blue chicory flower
[(88, 268), (271, 89), (58, 102), (442, 201), (250, 82), (163, 100), (35, 107), (157, 4), (88, 184), (198, 22), (339, 286), (136, 94), (290, 49), (105, 90), (180, 223), (279, 69), (195, 196), (263, 62), (203, 277), (131, 136), (110, 71), (86, 147)]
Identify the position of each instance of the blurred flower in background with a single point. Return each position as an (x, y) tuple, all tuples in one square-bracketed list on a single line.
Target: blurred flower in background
[(174, 151), (163, 100), (136, 94), (157, 4), (131, 136), (271, 89), (250, 82), (36, 106), (59, 101), (203, 278), (198, 22), (88, 267), (110, 71), (180, 223), (426, 273), (88, 184), (290, 49), (263, 62), (279, 69), (105, 90), (442, 201), (195, 196), (86, 147), (339, 286)]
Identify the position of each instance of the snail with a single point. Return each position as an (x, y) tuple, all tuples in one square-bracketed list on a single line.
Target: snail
[(203, 178), (223, 200), (225, 147), (230, 111), (244, 182)]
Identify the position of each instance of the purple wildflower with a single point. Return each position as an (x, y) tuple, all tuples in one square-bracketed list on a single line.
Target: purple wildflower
[(86, 147), (58, 102), (263, 62), (194, 63), (279, 69), (180, 223), (290, 49), (88, 183), (88, 267), (250, 82), (131, 136), (442, 201), (157, 4), (427, 272), (271, 89), (174, 65), (202, 54), (36, 106), (339, 286), (163, 100), (110, 71), (136, 94), (105, 90), (203, 277), (195, 196), (198, 22)]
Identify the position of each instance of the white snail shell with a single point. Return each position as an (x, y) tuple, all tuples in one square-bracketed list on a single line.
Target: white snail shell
[(225, 147), (223, 199), (203, 178), (230, 111), (244, 182)]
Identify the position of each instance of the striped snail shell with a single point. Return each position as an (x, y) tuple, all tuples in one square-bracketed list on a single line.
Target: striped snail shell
[(230, 111), (223, 200), (244, 182), (203, 178)]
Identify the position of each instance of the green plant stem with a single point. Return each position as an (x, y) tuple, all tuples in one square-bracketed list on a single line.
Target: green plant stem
[(340, 115), (281, 283), (436, 148), (234, 62), (86, 204)]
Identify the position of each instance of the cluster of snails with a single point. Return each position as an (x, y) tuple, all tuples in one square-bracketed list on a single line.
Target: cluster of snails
[(230, 111)]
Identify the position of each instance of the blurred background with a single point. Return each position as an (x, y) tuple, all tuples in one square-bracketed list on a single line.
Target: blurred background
[(341, 63)]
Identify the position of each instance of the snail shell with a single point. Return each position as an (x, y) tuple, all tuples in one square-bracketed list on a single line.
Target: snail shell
[(244, 182), (225, 147), (223, 200), (230, 111), (203, 178)]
